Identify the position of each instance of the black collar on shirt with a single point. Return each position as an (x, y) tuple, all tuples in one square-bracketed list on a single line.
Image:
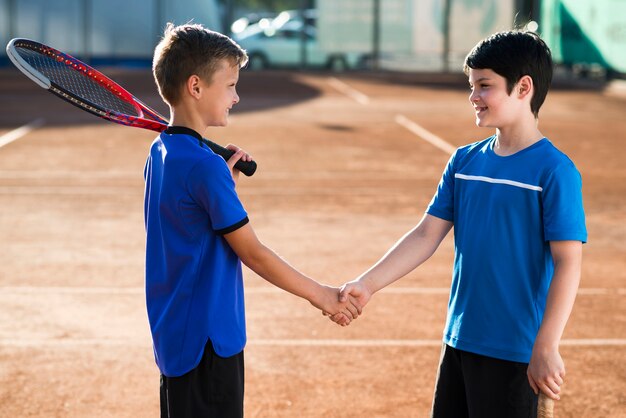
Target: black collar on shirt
[(183, 130)]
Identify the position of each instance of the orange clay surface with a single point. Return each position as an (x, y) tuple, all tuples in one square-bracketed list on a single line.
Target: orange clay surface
[(339, 181)]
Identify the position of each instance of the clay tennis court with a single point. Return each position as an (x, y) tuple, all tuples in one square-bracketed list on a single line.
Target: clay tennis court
[(344, 171)]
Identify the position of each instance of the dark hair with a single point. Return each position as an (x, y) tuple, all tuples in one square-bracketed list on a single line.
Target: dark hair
[(512, 55), (190, 49)]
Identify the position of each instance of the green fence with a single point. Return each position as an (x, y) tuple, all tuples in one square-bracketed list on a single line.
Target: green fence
[(586, 33)]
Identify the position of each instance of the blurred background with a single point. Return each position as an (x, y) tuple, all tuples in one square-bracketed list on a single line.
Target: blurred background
[(587, 37), (340, 105)]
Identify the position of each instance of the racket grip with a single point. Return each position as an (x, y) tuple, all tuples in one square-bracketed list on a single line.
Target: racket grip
[(545, 406), (246, 167)]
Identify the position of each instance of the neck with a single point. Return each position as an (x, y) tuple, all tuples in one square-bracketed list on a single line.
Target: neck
[(187, 119), (513, 139)]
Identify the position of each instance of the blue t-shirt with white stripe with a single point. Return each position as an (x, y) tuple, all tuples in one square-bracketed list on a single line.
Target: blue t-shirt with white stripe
[(505, 212), (194, 284)]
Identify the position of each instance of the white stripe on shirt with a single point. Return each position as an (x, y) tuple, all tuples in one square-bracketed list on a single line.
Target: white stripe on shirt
[(498, 181)]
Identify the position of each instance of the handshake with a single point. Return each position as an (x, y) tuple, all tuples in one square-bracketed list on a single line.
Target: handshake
[(342, 304)]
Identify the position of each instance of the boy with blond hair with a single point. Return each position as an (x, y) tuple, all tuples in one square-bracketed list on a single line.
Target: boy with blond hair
[(198, 233)]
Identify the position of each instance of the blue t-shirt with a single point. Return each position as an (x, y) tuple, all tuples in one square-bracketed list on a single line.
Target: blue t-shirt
[(194, 284), (505, 211)]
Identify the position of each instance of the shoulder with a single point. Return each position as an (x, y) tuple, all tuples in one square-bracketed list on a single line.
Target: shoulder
[(470, 150), (185, 151), (189, 160), (209, 171), (556, 160), (554, 171), (475, 146), (209, 163), (156, 144), (552, 153)]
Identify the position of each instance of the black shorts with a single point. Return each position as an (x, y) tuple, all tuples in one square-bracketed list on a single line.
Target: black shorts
[(213, 389), (474, 386)]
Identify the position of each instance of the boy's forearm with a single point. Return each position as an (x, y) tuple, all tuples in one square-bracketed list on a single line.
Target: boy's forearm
[(558, 308), (561, 297), (417, 246), (271, 267), (267, 264)]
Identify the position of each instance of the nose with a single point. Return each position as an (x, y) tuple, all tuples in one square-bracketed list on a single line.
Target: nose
[(235, 99), (473, 97)]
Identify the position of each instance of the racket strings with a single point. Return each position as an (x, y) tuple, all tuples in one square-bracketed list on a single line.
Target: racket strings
[(77, 82)]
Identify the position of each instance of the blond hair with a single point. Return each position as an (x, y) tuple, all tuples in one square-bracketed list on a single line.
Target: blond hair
[(188, 50)]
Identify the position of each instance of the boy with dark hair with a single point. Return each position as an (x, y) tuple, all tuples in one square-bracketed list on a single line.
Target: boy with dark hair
[(515, 202), (198, 231)]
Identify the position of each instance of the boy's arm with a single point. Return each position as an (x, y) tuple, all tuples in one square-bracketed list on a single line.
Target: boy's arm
[(267, 264), (409, 252), (546, 370)]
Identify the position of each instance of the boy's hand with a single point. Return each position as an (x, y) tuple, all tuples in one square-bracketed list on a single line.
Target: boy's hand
[(356, 293), (356, 290), (239, 154), (546, 372), (328, 302)]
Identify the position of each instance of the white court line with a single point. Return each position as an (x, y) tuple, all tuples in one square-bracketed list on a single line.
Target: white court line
[(75, 342), (593, 342), (138, 190), (20, 132), (71, 190), (425, 134), (303, 342), (105, 290), (63, 174), (583, 291), (580, 342), (345, 343), (352, 93), (68, 290)]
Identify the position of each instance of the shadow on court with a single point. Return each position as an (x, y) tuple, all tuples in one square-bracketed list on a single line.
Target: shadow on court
[(22, 101)]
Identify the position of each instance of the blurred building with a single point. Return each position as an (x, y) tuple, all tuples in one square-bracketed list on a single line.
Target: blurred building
[(420, 35), (435, 35), (587, 36), (101, 32)]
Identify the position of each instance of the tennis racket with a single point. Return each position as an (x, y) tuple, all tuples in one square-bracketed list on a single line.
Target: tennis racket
[(92, 91), (545, 406)]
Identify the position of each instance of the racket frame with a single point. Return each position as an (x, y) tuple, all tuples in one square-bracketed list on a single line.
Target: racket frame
[(154, 122)]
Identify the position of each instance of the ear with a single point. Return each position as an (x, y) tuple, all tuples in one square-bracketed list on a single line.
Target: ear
[(524, 87), (193, 86)]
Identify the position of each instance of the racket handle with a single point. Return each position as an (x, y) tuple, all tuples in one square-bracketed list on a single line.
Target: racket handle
[(545, 406), (246, 167)]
